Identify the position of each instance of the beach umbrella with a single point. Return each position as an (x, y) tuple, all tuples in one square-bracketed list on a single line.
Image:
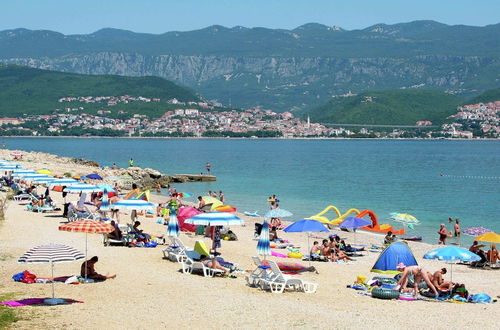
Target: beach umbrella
[(264, 245), (105, 201), (43, 180), (215, 219), (93, 176), (489, 237), (306, 226), (225, 208), (452, 253), (353, 223), (63, 182), (395, 253), (108, 187), (184, 213), (81, 188), (87, 227), (173, 225), (277, 213), (44, 171), (185, 194), (21, 171), (211, 203), (9, 168), (52, 253), (133, 204), (476, 231), (404, 218), (32, 176)]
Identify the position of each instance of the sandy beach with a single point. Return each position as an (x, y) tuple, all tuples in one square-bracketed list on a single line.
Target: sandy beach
[(150, 292)]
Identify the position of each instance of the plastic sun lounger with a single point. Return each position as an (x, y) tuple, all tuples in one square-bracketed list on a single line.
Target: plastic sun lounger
[(260, 273), (126, 237), (176, 251), (22, 197), (279, 281), (189, 265)]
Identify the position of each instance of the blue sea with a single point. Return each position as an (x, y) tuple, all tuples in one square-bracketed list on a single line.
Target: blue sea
[(430, 179)]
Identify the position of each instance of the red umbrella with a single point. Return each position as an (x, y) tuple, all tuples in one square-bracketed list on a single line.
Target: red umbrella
[(87, 226), (186, 213)]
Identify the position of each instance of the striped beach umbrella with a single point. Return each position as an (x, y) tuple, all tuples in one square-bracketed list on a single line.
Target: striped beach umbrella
[(173, 225), (105, 201), (51, 253), (133, 204), (264, 245), (64, 182), (43, 180), (215, 219), (81, 188), (87, 227), (32, 176), (22, 171), (9, 168)]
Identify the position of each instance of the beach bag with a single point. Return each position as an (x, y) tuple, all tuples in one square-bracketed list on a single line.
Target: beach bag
[(18, 277)]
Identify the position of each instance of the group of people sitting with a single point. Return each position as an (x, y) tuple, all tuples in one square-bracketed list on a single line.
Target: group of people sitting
[(334, 249), (490, 256), (435, 281)]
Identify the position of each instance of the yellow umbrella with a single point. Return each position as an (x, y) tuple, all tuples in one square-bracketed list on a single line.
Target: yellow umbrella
[(489, 237), (44, 171), (212, 202)]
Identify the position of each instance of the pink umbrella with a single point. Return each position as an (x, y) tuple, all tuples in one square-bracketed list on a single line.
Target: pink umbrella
[(186, 213)]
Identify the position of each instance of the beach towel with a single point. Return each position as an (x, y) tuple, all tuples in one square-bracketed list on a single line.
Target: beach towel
[(34, 301)]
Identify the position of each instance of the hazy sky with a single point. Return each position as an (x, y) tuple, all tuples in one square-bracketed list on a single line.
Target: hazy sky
[(158, 16)]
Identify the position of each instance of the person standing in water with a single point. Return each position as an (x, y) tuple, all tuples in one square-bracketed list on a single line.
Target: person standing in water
[(131, 162), (208, 167), (443, 233)]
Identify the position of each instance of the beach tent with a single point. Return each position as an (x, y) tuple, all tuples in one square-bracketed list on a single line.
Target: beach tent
[(392, 255)]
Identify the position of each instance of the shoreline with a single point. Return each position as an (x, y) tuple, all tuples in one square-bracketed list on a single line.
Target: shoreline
[(249, 138)]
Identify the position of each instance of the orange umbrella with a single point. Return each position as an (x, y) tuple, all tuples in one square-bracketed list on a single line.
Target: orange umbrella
[(225, 208)]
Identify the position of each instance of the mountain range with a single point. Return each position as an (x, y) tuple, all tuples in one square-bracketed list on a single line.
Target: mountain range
[(276, 68)]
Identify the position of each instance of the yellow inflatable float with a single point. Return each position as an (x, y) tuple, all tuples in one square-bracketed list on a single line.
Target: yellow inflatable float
[(334, 221)]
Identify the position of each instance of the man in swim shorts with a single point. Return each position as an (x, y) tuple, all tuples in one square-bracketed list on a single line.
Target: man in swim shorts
[(439, 282)]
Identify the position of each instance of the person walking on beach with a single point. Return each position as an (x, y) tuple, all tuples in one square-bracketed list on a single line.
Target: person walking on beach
[(208, 167), (443, 233), (131, 162)]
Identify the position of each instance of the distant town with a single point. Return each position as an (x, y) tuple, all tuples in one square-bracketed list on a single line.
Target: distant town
[(199, 119)]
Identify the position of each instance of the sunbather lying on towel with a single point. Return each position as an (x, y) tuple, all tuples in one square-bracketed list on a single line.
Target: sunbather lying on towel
[(214, 264)]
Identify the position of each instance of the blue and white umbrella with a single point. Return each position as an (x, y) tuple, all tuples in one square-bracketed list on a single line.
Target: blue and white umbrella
[(452, 253), (43, 180), (9, 168), (133, 204), (21, 171), (264, 245), (81, 188), (173, 225), (277, 213), (32, 176), (64, 182), (105, 201), (215, 219)]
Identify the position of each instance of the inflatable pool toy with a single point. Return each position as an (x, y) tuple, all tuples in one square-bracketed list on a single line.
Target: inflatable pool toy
[(296, 255), (406, 298), (250, 214), (334, 221), (382, 293), (375, 227)]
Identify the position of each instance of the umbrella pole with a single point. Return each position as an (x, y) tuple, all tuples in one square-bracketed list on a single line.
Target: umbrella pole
[(52, 267), (309, 247), (86, 257)]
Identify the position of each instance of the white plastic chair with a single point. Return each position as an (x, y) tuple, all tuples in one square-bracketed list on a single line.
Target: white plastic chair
[(189, 265), (280, 281)]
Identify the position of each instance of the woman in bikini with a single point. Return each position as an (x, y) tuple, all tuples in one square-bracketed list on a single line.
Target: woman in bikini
[(419, 274)]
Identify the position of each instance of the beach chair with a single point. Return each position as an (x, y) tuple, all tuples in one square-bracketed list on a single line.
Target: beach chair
[(278, 281), (22, 197), (125, 240), (260, 273), (190, 264), (176, 251)]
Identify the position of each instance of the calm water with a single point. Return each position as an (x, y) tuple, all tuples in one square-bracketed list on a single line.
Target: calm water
[(308, 175)]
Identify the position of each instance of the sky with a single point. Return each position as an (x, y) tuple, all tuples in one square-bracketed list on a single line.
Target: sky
[(159, 16)]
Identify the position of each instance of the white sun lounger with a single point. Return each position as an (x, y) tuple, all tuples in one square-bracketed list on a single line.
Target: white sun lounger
[(277, 281), (260, 273), (189, 265), (176, 251)]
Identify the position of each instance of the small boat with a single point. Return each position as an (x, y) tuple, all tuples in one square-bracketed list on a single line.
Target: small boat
[(414, 238), (250, 214)]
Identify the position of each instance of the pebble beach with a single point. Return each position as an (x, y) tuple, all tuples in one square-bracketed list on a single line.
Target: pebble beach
[(150, 292)]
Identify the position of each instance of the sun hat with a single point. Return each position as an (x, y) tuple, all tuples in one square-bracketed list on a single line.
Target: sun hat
[(400, 266)]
